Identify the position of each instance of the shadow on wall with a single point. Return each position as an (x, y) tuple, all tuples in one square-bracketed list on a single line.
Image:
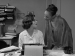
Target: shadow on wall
[(11, 25)]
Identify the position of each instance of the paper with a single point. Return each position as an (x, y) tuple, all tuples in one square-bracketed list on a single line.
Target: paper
[(1, 54), (9, 49), (55, 52)]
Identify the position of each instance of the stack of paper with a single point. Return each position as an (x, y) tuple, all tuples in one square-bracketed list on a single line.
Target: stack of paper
[(9, 49), (55, 52)]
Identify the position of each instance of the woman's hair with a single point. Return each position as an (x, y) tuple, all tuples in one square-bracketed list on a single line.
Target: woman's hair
[(52, 9), (27, 22)]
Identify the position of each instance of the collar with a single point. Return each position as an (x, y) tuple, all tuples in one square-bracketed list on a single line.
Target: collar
[(54, 17)]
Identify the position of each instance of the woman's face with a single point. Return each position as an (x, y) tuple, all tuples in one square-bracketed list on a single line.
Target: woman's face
[(35, 24), (47, 15)]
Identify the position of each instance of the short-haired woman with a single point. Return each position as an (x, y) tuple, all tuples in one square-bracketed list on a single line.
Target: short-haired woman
[(31, 35)]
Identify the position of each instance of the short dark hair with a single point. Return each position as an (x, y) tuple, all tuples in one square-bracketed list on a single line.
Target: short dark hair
[(27, 22), (52, 9)]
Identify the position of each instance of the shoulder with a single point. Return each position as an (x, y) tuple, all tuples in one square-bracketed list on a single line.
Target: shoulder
[(40, 32), (61, 20), (23, 32)]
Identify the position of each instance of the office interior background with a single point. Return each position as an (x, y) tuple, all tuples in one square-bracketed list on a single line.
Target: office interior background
[(66, 8)]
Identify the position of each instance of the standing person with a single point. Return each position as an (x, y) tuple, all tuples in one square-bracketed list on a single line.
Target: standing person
[(31, 35), (58, 34)]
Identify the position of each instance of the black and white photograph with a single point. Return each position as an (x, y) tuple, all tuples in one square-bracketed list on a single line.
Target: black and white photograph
[(37, 28)]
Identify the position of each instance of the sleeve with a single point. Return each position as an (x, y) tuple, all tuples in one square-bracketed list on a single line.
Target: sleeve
[(20, 41), (68, 41), (60, 34), (65, 34)]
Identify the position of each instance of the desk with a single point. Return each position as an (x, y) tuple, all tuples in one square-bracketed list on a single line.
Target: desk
[(7, 39), (56, 53), (8, 51)]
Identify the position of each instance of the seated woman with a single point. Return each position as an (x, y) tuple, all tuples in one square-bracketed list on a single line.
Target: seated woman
[(31, 35)]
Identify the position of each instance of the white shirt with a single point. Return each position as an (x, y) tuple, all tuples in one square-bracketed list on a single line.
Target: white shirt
[(25, 38)]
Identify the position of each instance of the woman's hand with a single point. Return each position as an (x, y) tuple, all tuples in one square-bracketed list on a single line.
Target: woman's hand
[(57, 48), (60, 48)]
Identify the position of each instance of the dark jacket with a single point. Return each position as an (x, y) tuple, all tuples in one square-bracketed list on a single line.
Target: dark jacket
[(59, 34)]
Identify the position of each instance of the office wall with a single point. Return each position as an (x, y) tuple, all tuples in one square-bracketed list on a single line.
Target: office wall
[(38, 6), (48, 2)]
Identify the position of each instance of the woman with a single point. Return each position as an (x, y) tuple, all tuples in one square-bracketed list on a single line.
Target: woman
[(58, 34), (30, 35)]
